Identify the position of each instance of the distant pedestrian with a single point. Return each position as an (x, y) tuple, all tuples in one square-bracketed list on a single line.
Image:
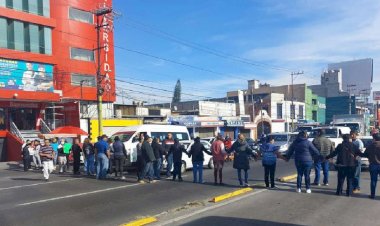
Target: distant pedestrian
[(140, 162), (345, 163), (148, 156), (120, 155), (358, 162), (102, 155), (218, 155), (25, 155), (167, 144), (176, 150), (241, 158), (111, 158), (36, 157), (304, 152), (47, 155), (76, 152), (89, 153), (62, 160), (54, 145), (373, 154), (269, 153), (325, 147), (159, 152), (196, 152), (66, 149)]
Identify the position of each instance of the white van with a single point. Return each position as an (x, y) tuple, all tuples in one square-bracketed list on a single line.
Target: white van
[(334, 133), (129, 136)]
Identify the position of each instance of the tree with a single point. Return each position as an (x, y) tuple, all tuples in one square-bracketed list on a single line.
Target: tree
[(177, 92)]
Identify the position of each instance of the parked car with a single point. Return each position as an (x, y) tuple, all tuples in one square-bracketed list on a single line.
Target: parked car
[(367, 140), (186, 161), (283, 140)]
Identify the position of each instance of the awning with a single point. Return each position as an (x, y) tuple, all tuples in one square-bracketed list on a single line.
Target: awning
[(69, 130)]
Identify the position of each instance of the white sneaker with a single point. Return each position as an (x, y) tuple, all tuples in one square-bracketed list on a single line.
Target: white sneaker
[(123, 177), (308, 191), (298, 190)]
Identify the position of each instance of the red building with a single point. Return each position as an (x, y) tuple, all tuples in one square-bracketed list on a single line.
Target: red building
[(48, 65)]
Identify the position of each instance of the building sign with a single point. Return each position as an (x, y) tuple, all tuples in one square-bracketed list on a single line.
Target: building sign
[(26, 76), (211, 124), (106, 36), (234, 123), (321, 105), (376, 95)]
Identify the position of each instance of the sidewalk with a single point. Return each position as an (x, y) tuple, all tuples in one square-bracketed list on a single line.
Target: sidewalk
[(10, 165)]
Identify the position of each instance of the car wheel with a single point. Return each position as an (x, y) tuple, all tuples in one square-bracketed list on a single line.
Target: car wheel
[(211, 164), (183, 167)]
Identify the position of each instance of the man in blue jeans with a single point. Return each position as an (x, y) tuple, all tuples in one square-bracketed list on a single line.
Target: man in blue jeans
[(304, 152), (167, 144), (102, 155), (325, 147), (358, 144)]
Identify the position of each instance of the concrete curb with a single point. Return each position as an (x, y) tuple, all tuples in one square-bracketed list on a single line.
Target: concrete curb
[(287, 178), (230, 195), (10, 165), (143, 221)]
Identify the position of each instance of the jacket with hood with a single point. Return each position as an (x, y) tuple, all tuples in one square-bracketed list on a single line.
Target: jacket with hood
[(346, 153), (158, 150), (242, 154), (196, 151), (324, 145), (303, 150)]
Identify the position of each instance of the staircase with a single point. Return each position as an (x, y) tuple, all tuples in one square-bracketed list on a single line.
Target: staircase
[(30, 135)]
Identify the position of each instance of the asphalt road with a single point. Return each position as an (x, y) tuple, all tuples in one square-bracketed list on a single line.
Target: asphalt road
[(26, 199), (286, 207)]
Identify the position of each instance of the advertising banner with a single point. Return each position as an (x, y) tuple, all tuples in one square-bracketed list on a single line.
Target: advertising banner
[(26, 76), (376, 95)]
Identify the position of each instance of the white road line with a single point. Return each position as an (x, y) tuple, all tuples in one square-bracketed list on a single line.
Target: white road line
[(183, 217), (76, 195), (31, 185)]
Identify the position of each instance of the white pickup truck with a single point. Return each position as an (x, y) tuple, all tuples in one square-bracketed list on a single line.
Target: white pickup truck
[(334, 133)]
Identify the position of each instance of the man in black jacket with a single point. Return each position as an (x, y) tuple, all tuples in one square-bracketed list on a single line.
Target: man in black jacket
[(196, 152), (159, 151), (167, 144), (346, 152), (148, 156)]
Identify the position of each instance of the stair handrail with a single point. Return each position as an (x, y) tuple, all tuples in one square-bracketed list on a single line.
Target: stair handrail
[(16, 131), (44, 127)]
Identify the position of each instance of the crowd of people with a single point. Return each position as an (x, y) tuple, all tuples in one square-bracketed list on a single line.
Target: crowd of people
[(100, 158)]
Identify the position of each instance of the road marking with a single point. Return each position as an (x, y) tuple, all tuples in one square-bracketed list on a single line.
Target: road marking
[(183, 217), (230, 195), (140, 222), (76, 195), (288, 178), (31, 185)]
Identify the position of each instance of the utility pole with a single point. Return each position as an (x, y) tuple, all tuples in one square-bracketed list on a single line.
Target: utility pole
[(292, 105), (349, 89), (100, 13)]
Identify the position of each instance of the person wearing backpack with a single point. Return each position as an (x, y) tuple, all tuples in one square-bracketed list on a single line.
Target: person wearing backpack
[(120, 155), (89, 153), (269, 153)]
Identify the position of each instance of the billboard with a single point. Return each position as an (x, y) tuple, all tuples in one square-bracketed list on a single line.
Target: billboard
[(376, 95), (26, 76)]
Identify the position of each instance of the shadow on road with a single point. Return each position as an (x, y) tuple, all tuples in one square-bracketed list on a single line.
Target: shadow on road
[(227, 221)]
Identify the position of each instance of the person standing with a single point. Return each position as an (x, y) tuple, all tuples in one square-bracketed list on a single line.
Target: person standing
[(196, 152), (89, 153), (346, 152), (54, 145), (269, 153), (120, 155), (218, 155), (76, 151), (37, 158), (325, 147), (62, 160), (167, 144), (148, 156), (241, 158), (25, 155), (159, 152), (47, 155), (140, 162), (358, 162), (373, 154), (176, 151), (304, 152), (111, 157), (102, 157)]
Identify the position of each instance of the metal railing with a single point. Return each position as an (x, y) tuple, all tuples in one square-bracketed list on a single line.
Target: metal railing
[(44, 127), (15, 131)]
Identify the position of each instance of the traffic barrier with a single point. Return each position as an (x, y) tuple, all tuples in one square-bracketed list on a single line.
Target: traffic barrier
[(230, 195), (288, 178), (140, 222)]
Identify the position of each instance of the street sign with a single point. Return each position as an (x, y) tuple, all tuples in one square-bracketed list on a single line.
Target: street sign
[(376, 95)]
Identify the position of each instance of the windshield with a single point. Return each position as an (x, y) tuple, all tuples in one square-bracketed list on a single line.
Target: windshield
[(330, 133), (124, 137), (352, 126), (305, 128), (163, 135), (280, 138)]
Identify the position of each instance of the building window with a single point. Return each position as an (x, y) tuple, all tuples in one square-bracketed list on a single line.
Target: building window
[(86, 80), (314, 117), (81, 15), (300, 112), (279, 111), (292, 111), (314, 101), (3, 33), (82, 54), (38, 7)]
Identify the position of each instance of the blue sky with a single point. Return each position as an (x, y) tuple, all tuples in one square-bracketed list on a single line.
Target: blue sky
[(272, 37)]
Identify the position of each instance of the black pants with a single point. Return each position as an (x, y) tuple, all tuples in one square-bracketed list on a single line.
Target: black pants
[(177, 170), (343, 173), (119, 165), (76, 165), (26, 162), (269, 172), (68, 162)]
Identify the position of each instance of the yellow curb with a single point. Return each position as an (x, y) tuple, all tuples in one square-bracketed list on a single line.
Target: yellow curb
[(143, 221), (288, 178), (231, 194)]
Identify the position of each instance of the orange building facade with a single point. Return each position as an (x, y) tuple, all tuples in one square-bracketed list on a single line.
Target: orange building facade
[(48, 62)]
